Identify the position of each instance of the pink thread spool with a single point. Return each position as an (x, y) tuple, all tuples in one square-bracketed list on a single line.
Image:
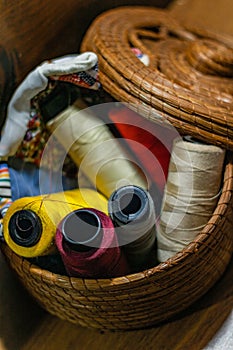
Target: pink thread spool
[(88, 245)]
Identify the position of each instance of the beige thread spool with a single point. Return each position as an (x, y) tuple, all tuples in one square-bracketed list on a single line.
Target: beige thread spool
[(94, 149), (190, 196)]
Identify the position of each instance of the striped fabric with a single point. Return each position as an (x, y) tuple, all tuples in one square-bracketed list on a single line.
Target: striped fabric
[(5, 193), (5, 189)]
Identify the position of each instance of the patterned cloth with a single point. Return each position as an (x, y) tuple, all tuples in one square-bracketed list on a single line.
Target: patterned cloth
[(5, 189), (20, 179), (25, 135), (141, 56), (5, 192), (37, 135), (19, 110), (78, 70), (87, 79)]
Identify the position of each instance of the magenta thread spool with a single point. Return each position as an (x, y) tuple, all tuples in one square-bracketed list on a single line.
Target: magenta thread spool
[(82, 230), (132, 211), (88, 245)]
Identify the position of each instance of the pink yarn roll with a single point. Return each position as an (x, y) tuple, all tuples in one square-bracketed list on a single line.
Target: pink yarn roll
[(100, 257)]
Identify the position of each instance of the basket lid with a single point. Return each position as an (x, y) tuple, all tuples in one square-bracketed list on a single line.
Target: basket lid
[(188, 82)]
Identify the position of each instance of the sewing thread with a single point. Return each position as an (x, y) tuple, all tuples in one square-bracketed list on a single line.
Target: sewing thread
[(30, 223), (132, 211), (191, 194), (151, 143), (88, 245), (94, 149)]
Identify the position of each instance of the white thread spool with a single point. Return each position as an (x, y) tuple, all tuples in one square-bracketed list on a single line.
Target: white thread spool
[(94, 149), (190, 196)]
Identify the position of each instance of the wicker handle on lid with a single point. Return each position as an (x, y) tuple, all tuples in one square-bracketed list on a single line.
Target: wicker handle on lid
[(210, 57)]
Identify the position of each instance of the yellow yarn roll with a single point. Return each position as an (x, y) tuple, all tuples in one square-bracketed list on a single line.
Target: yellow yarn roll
[(51, 209)]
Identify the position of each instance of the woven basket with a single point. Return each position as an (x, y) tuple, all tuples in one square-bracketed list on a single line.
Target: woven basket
[(188, 81), (153, 296), (142, 299)]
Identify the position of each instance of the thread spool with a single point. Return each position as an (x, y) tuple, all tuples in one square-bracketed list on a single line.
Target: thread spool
[(156, 140), (30, 223), (88, 245), (82, 230), (94, 149), (132, 211), (191, 194)]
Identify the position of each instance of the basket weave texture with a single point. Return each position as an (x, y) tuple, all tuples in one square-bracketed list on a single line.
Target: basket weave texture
[(188, 81), (167, 88), (143, 299)]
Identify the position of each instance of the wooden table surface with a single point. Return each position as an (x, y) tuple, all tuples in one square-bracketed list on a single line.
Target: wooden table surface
[(25, 326)]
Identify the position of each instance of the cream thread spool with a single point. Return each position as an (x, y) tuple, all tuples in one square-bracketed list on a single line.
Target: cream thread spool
[(94, 149), (191, 194)]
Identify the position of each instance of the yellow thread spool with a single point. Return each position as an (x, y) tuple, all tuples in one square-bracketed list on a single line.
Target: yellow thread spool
[(49, 210)]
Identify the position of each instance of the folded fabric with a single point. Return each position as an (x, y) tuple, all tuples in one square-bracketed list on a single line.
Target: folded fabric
[(5, 189), (19, 108), (19, 179), (23, 130), (34, 141), (28, 180)]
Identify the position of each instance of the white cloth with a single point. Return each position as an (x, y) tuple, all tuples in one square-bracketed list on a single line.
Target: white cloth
[(223, 339), (18, 111)]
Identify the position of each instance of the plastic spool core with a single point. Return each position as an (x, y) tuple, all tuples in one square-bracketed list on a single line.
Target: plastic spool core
[(82, 230), (25, 228), (128, 203)]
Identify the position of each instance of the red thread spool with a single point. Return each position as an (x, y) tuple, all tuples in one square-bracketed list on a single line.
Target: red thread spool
[(88, 245), (156, 138)]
